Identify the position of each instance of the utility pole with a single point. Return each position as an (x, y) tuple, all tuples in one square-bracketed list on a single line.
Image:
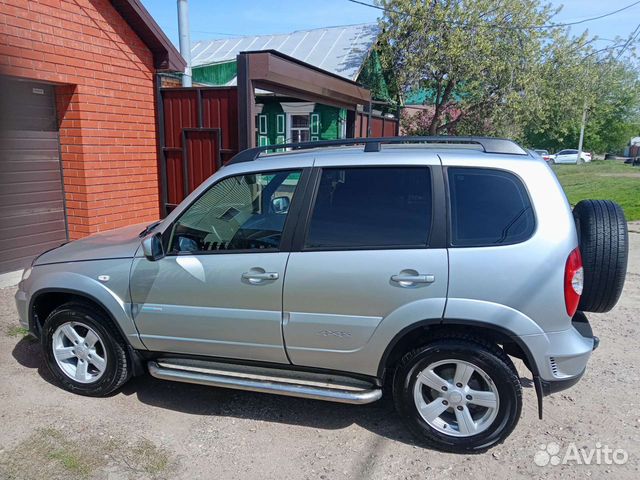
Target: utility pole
[(584, 122), (185, 40)]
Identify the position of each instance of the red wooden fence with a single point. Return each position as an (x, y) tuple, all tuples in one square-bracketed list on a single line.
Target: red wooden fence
[(380, 126), (198, 133)]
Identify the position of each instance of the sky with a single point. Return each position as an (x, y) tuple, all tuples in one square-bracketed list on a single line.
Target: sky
[(212, 19)]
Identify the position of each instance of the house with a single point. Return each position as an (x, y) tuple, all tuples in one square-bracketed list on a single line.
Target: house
[(96, 134), (345, 51), (633, 149), (78, 146)]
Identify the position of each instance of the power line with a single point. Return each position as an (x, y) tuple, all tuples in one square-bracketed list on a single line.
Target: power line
[(538, 27), (594, 18), (632, 38)]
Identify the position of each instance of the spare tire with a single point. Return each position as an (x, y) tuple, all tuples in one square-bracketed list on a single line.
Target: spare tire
[(604, 245)]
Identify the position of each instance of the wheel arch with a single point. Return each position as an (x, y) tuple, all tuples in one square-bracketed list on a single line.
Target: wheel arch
[(112, 299), (425, 330), (46, 300)]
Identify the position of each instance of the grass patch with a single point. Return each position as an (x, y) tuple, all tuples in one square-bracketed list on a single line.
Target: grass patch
[(48, 453), (151, 459), (603, 180), (53, 454), (17, 331)]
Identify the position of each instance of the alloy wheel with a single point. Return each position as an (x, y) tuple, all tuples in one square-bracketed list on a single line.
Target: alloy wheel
[(79, 352), (456, 398)]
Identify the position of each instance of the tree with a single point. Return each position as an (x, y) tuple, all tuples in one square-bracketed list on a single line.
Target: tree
[(473, 57), (610, 90), (501, 67)]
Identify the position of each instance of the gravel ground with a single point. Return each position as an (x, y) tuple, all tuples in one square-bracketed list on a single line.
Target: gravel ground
[(155, 429)]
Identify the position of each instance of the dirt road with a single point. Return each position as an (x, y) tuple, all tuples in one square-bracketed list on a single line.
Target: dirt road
[(155, 429)]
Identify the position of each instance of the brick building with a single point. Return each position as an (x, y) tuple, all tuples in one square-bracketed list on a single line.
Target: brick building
[(78, 146)]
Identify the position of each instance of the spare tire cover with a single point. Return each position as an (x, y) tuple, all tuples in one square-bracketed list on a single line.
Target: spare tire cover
[(604, 246)]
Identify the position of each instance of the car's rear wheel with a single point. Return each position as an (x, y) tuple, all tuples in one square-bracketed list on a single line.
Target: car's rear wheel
[(84, 351), (604, 247), (458, 395)]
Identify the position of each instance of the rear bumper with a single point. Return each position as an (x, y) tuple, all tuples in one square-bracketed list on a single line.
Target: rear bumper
[(562, 357), (549, 387)]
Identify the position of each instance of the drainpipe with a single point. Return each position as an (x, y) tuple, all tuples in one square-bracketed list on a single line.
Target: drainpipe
[(185, 40)]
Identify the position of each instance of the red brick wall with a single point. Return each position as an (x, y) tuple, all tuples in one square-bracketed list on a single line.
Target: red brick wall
[(105, 100)]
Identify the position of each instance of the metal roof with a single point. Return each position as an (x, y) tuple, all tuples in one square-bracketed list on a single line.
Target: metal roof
[(339, 50)]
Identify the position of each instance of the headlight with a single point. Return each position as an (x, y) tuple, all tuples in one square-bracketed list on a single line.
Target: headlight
[(26, 273)]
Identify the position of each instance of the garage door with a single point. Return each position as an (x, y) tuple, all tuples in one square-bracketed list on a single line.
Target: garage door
[(31, 194)]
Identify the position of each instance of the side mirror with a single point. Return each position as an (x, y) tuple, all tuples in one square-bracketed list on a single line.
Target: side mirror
[(280, 204), (152, 247)]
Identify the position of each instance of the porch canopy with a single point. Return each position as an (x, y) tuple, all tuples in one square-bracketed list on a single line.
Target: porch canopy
[(285, 75)]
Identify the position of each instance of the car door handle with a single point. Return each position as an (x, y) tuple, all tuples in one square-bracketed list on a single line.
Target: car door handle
[(257, 277), (406, 280)]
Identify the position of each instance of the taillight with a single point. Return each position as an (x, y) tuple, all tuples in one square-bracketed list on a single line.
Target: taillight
[(573, 281)]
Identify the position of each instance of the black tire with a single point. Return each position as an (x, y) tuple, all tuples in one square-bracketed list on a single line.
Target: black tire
[(488, 357), (118, 364), (604, 246)]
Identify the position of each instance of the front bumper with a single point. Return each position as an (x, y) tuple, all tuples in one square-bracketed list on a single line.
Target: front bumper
[(22, 304)]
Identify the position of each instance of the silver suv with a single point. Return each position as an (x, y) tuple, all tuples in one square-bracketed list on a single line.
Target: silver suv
[(339, 270)]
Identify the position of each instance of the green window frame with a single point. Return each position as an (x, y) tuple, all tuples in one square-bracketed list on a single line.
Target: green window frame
[(262, 124), (315, 124), (280, 124)]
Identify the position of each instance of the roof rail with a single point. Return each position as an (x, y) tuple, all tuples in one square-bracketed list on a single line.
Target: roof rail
[(488, 144)]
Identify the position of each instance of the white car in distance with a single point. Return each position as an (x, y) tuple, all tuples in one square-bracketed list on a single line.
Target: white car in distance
[(571, 156)]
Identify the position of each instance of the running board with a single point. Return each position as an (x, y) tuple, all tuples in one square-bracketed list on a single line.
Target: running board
[(266, 380)]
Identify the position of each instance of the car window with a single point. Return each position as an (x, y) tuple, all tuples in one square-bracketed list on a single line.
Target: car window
[(371, 207), (488, 207), (245, 212)]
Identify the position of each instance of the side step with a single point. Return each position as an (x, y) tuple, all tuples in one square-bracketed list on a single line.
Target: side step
[(266, 380)]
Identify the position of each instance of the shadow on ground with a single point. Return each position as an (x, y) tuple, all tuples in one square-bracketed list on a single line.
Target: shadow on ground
[(379, 417)]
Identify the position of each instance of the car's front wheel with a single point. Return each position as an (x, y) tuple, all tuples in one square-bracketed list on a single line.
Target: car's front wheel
[(84, 351), (458, 395)]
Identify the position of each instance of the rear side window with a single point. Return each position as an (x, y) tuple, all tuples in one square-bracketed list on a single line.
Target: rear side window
[(488, 207), (371, 207)]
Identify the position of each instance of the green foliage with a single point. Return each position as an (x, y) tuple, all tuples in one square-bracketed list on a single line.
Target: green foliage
[(373, 77), (608, 88), (491, 70)]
